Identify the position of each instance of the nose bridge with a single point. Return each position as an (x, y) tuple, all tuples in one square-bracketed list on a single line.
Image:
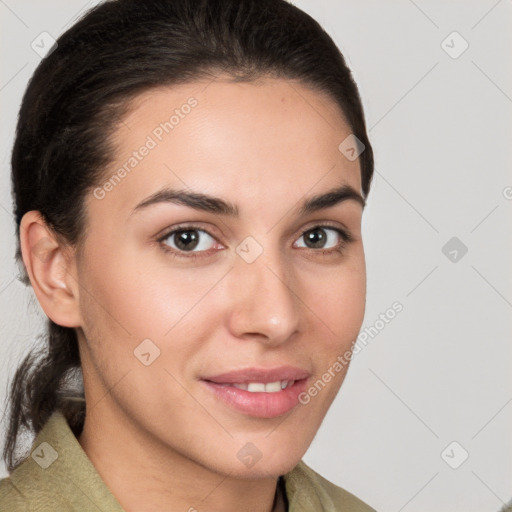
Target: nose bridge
[(265, 303)]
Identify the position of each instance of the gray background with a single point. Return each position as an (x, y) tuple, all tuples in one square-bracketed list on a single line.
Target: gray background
[(440, 370)]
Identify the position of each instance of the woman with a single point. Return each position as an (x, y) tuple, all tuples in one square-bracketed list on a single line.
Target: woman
[(189, 180)]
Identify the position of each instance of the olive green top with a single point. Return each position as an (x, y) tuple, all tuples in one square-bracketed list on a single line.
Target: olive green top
[(58, 476)]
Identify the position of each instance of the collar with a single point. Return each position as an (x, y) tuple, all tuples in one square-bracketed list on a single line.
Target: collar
[(59, 469)]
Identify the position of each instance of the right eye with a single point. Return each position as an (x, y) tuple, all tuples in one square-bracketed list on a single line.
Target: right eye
[(187, 239)]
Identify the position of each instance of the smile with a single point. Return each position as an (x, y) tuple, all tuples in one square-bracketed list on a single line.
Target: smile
[(261, 387)]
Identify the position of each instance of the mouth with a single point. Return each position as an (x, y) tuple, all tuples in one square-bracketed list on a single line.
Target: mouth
[(261, 393), (262, 387)]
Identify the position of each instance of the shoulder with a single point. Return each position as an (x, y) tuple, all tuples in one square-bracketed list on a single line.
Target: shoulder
[(308, 490), (32, 499), (10, 498), (56, 476)]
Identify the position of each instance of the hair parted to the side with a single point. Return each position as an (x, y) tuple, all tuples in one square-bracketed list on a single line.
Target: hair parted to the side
[(78, 94)]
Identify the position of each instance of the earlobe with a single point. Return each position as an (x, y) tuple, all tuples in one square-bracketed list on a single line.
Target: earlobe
[(51, 270)]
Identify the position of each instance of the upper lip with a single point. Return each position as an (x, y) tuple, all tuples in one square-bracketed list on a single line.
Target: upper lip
[(264, 375)]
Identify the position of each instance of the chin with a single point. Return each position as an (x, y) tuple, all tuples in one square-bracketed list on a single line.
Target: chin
[(254, 458), (264, 469), (265, 459)]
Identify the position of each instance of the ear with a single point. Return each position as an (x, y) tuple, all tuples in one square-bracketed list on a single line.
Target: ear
[(51, 268)]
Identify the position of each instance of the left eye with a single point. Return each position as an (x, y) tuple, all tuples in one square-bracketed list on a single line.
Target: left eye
[(318, 239)]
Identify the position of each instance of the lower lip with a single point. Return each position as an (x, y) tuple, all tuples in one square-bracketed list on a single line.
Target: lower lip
[(260, 404)]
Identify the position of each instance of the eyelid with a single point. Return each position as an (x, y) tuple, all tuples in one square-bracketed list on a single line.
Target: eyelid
[(341, 228), (165, 233)]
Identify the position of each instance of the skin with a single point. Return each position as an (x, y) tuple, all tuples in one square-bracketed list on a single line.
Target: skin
[(159, 439)]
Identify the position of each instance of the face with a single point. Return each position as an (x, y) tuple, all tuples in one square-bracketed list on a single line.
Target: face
[(176, 292)]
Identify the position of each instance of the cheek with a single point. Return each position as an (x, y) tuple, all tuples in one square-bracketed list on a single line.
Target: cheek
[(128, 303), (338, 308), (338, 298), (130, 299)]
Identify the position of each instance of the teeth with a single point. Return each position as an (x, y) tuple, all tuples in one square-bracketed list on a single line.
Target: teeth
[(254, 387), (260, 387), (273, 387)]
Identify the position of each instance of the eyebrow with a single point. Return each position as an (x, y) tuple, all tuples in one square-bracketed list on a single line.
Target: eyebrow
[(212, 204)]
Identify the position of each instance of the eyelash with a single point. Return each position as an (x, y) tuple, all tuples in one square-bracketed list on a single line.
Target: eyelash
[(345, 236)]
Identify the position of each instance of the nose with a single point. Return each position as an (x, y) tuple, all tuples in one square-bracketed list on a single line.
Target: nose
[(264, 303)]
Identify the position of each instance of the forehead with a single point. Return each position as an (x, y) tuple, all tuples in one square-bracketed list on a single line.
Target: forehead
[(271, 137)]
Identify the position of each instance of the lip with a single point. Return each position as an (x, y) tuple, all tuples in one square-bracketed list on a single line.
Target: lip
[(264, 375), (259, 404)]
